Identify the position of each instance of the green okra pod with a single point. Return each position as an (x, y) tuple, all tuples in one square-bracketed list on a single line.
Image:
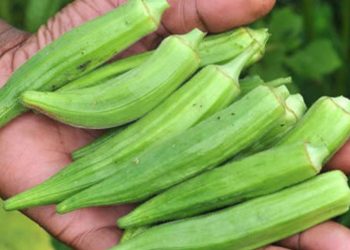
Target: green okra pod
[(209, 91), (251, 82), (181, 157), (97, 143), (241, 180), (131, 233), (295, 109), (213, 49), (124, 99), (79, 51), (327, 121), (255, 223)]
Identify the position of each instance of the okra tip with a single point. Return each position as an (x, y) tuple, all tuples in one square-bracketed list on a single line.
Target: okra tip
[(282, 92), (16, 203), (317, 154), (342, 102), (33, 99), (193, 38), (259, 35), (296, 104), (156, 8)]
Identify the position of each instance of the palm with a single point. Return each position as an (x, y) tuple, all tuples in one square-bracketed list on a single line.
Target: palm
[(33, 147)]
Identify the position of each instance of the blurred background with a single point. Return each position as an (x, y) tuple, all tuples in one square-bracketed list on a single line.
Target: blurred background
[(310, 41)]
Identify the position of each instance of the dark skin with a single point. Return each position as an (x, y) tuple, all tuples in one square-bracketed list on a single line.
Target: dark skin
[(33, 147)]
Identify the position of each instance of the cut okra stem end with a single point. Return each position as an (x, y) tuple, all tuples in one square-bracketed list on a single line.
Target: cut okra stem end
[(282, 92), (317, 155), (297, 105), (342, 102), (156, 9)]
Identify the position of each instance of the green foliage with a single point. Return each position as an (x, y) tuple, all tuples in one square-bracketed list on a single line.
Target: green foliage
[(29, 14), (309, 43), (21, 233), (39, 11)]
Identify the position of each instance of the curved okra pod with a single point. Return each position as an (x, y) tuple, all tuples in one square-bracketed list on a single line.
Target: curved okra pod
[(129, 96), (254, 176), (327, 122), (255, 223), (214, 49), (181, 157), (80, 51), (209, 91)]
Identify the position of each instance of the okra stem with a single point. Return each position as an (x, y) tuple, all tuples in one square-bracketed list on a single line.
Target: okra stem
[(327, 121)]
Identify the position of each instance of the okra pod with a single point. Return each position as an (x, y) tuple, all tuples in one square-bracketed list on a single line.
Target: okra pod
[(212, 89), (97, 143), (213, 49), (251, 82), (79, 51), (251, 177), (124, 99), (295, 109), (327, 121), (255, 223), (204, 146), (131, 233)]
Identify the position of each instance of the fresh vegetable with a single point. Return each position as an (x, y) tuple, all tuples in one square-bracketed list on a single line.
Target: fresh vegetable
[(212, 89), (79, 51), (124, 99), (251, 82), (92, 147), (131, 233), (251, 177), (254, 223), (295, 109), (327, 122), (181, 157), (213, 49)]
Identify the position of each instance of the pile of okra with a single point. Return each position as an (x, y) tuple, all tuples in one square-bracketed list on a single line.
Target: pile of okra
[(214, 158)]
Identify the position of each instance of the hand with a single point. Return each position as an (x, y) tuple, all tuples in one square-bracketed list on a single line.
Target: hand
[(33, 147)]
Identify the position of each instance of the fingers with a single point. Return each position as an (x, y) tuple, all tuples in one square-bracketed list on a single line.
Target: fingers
[(214, 16), (341, 160), (10, 38), (326, 236), (273, 248)]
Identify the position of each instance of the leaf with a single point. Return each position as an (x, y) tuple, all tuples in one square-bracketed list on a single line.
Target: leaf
[(21, 233), (286, 27), (39, 11), (59, 245), (316, 60)]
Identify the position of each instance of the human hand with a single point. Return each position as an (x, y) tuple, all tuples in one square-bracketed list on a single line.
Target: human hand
[(33, 147)]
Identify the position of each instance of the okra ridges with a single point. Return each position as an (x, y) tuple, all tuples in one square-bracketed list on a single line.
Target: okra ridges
[(342, 102)]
